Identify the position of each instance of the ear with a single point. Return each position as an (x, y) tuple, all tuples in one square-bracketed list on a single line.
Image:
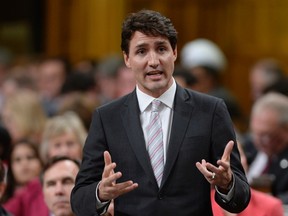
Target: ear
[(175, 53), (126, 59)]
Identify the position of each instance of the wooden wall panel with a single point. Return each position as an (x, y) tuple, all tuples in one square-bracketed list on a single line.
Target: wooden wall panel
[(91, 28)]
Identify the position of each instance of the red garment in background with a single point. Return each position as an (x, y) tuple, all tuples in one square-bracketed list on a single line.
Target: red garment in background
[(28, 202), (261, 204)]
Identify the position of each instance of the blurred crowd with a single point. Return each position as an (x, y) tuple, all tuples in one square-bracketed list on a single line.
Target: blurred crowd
[(46, 105)]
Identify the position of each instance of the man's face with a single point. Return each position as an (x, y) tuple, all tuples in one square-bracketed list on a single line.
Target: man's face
[(268, 135), (58, 182), (152, 61)]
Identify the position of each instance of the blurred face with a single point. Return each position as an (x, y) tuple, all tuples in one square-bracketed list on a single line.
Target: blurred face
[(10, 122), (51, 78), (58, 182), (152, 61), (257, 83), (25, 165), (205, 82), (65, 145), (268, 135), (125, 81)]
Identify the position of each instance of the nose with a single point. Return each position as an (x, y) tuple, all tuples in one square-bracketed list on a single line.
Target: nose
[(153, 60), (64, 150), (59, 188)]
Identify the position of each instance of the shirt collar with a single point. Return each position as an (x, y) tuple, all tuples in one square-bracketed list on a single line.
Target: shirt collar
[(166, 98)]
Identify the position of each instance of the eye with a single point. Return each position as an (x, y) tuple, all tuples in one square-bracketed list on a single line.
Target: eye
[(162, 49), (68, 181), (50, 183), (141, 51), (16, 159), (71, 144), (31, 157), (57, 145)]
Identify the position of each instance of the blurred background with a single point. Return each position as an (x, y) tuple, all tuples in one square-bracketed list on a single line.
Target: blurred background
[(246, 30)]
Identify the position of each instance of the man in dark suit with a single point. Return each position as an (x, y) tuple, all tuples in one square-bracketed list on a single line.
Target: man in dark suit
[(194, 131)]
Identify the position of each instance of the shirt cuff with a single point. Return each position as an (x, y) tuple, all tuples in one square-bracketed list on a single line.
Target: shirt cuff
[(227, 197), (99, 204)]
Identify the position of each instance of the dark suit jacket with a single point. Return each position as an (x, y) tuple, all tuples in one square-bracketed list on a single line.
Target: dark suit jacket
[(279, 169), (201, 129)]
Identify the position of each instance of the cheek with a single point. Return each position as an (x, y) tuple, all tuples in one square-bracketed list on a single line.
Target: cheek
[(52, 151), (16, 167), (48, 197), (36, 166)]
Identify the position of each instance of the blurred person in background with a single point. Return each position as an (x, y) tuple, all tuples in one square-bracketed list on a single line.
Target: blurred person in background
[(184, 78), (63, 135), (58, 179), (105, 76), (207, 62), (80, 95), (269, 130), (17, 81), (52, 75), (125, 81), (23, 116), (24, 166), (264, 73), (5, 61), (5, 145)]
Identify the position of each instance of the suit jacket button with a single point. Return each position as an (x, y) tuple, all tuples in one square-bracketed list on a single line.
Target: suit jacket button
[(160, 196)]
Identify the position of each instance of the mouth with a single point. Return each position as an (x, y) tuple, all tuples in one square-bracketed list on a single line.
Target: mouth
[(61, 204), (154, 74)]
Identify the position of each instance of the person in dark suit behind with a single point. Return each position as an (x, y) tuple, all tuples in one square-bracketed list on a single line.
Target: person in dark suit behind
[(196, 139)]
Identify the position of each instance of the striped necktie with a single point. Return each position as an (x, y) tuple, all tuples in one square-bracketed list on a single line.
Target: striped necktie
[(155, 142)]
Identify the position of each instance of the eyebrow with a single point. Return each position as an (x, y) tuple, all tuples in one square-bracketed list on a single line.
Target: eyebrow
[(62, 180), (157, 43)]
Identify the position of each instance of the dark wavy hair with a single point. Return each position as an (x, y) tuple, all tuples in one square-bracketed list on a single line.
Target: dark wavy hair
[(150, 23)]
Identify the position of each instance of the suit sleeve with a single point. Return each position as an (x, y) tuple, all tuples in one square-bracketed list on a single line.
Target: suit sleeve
[(222, 132), (90, 174)]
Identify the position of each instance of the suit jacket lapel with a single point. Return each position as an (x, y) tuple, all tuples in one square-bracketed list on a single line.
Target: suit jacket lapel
[(181, 118), (131, 122)]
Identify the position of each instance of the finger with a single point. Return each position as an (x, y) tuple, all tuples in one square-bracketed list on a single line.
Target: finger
[(120, 189), (128, 189), (109, 166), (125, 187), (212, 168), (110, 180), (223, 164), (202, 167), (107, 158), (108, 170), (227, 151)]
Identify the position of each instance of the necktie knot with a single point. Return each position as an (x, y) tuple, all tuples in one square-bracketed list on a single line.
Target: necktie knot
[(156, 105)]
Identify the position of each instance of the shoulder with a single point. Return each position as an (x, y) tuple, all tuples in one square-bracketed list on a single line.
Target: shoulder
[(118, 103), (198, 100), (197, 96)]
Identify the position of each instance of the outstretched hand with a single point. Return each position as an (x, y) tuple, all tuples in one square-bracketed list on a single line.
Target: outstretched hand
[(220, 176), (108, 188)]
